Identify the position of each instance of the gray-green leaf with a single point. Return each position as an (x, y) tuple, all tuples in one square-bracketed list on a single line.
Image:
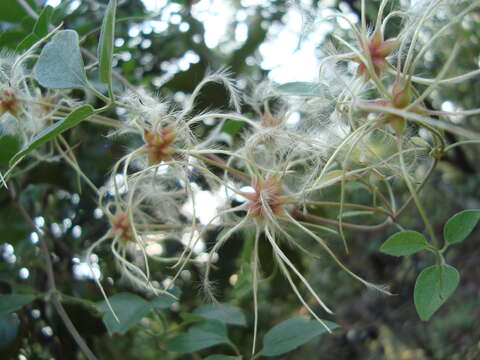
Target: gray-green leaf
[(129, 308), (433, 287), (299, 88), (198, 337), (290, 334), (105, 45), (60, 65), (404, 243), (47, 134), (222, 312), (459, 226), (11, 303)]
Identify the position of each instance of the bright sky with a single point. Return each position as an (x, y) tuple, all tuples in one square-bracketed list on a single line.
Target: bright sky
[(282, 53)]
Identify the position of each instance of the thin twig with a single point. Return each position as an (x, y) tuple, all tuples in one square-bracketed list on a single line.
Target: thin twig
[(52, 288)]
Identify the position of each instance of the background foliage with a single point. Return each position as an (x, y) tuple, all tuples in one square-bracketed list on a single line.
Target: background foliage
[(370, 326)]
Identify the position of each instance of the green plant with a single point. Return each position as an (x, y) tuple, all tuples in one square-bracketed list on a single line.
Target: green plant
[(366, 127)]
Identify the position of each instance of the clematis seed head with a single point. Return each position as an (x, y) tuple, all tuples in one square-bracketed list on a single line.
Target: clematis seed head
[(267, 198), (158, 145), (9, 103), (121, 228), (377, 50)]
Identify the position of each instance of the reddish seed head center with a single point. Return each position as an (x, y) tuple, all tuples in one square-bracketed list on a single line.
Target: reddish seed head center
[(120, 227), (377, 50), (266, 199), (158, 145), (9, 103)]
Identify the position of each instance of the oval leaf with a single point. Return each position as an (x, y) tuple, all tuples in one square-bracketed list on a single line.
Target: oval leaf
[(290, 334), (222, 312), (404, 243), (198, 337), (105, 45), (11, 303), (459, 226), (222, 357), (60, 65), (129, 308), (433, 287), (47, 134)]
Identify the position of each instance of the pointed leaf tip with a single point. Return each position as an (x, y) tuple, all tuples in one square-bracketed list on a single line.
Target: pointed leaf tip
[(459, 226), (292, 333), (105, 44), (433, 287), (404, 243), (60, 64)]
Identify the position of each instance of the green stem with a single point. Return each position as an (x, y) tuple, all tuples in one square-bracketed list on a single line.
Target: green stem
[(414, 194), (337, 204), (98, 94), (234, 348), (460, 143)]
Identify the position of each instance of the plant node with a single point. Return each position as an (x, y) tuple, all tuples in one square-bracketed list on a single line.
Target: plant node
[(158, 145), (121, 228), (266, 199), (376, 50), (9, 103)]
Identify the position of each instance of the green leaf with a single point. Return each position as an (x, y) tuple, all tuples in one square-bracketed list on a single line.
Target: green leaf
[(164, 301), (11, 303), (9, 325), (459, 226), (39, 30), (232, 127), (243, 286), (189, 318), (105, 45), (60, 65), (404, 243), (222, 357), (222, 312), (291, 333), (298, 88), (47, 134), (129, 308), (9, 145), (433, 287), (12, 37), (12, 12), (198, 337)]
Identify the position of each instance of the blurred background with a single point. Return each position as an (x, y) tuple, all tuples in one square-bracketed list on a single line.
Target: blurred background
[(167, 47)]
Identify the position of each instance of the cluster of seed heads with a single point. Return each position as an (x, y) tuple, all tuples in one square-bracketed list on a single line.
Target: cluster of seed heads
[(363, 125)]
